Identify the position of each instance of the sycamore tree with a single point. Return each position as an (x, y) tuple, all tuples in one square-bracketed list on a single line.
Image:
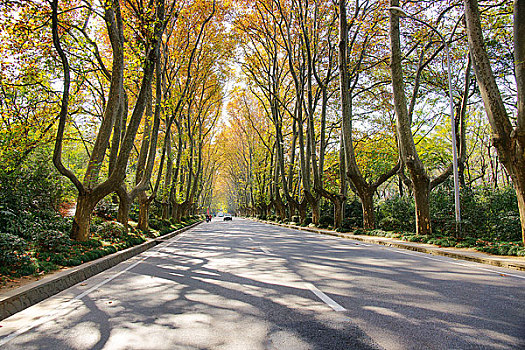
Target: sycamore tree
[(92, 188), (508, 135)]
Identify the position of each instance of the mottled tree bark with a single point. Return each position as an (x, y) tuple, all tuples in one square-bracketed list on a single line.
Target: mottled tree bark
[(364, 190), (508, 141), (420, 179)]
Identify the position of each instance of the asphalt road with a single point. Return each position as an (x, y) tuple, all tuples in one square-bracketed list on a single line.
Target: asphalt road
[(246, 285)]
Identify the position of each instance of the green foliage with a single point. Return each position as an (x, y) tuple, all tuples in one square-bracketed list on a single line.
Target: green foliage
[(53, 241), (326, 221), (486, 213), (307, 221), (166, 230), (154, 224), (13, 253), (492, 247), (353, 214), (29, 198), (111, 230), (396, 213), (106, 209)]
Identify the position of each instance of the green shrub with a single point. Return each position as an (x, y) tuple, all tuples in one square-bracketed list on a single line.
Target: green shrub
[(397, 213), (110, 249), (13, 253), (391, 224), (154, 224), (166, 230), (73, 262), (360, 231), (326, 221), (353, 214), (307, 221), (111, 230), (52, 240), (106, 209), (90, 243), (134, 240)]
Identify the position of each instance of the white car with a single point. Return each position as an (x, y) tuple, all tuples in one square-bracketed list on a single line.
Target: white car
[(227, 217)]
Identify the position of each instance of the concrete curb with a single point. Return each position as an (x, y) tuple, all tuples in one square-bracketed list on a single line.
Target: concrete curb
[(23, 297), (455, 253)]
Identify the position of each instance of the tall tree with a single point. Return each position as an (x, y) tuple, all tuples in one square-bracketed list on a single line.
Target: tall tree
[(91, 191), (508, 139), (364, 189), (421, 181)]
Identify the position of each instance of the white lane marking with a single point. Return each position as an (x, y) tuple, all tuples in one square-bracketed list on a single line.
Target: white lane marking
[(457, 263), (266, 250), (327, 300), (61, 311), (251, 239)]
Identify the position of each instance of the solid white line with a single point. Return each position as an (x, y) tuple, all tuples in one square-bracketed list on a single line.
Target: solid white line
[(457, 263), (61, 309), (251, 239), (327, 300)]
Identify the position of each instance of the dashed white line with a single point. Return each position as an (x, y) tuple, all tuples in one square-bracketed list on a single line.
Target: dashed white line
[(266, 250), (327, 300)]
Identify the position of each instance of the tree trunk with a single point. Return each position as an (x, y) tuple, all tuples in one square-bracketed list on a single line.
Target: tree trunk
[(82, 219), (421, 197), (302, 210), (165, 210), (123, 212), (367, 203), (407, 147), (519, 187), (279, 207), (508, 141), (144, 204), (338, 211), (316, 211)]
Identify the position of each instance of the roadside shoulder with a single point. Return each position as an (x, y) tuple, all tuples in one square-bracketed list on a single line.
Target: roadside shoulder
[(15, 300), (510, 262)]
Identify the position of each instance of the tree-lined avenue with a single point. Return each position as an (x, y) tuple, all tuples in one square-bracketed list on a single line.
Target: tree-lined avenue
[(248, 285)]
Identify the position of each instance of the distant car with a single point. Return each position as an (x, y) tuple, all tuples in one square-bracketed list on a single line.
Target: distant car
[(227, 217), (220, 215)]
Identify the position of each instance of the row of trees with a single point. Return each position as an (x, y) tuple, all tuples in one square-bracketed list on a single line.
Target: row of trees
[(339, 97), (335, 98), (141, 89)]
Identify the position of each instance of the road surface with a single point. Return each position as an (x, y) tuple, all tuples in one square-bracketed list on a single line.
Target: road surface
[(246, 285)]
